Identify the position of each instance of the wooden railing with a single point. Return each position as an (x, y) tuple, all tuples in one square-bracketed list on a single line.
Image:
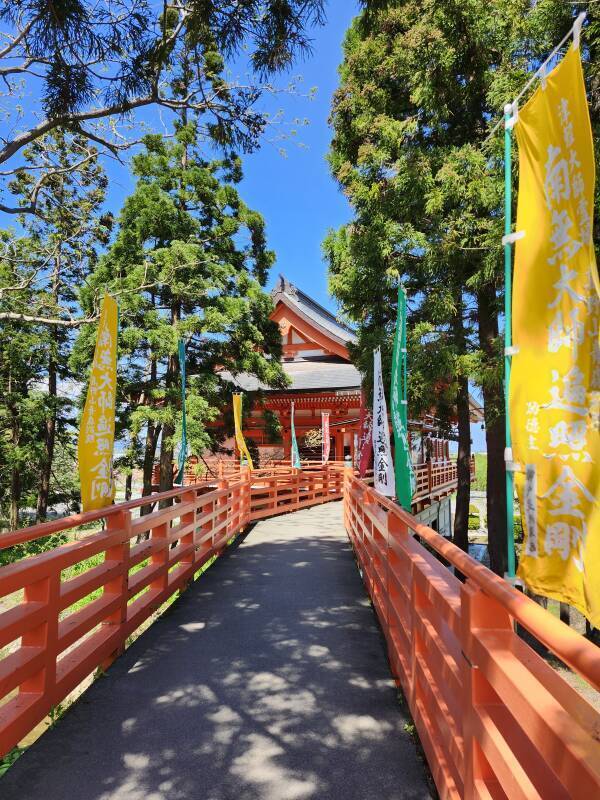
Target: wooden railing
[(61, 629), (434, 479), (495, 720), (437, 478)]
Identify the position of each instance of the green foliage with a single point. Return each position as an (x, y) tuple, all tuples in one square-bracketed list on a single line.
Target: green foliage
[(92, 63), (40, 274), (480, 483), (9, 759), (273, 427), (421, 85), (34, 548), (518, 529), (189, 262)]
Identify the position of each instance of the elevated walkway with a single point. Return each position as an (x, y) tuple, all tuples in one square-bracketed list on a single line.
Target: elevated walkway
[(268, 679)]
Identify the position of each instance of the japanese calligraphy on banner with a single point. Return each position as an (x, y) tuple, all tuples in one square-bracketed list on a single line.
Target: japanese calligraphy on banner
[(365, 441), (383, 470), (325, 436), (239, 436), (555, 381), (97, 430)]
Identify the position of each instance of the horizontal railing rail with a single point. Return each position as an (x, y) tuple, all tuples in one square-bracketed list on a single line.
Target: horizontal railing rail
[(494, 719), (77, 604)]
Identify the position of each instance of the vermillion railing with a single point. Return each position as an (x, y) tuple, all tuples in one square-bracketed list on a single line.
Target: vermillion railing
[(50, 640), (495, 720)]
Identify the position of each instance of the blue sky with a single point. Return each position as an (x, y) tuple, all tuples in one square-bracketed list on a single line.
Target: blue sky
[(294, 192)]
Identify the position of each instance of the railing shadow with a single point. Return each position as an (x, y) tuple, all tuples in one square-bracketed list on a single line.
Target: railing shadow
[(267, 679)]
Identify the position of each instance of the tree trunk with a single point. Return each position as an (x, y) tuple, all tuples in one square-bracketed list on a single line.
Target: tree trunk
[(152, 434), (493, 398), (463, 464), (15, 476), (168, 428), (128, 484), (463, 467), (46, 468)]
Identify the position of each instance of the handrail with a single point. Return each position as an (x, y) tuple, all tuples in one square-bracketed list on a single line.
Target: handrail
[(494, 719), (64, 627), (76, 520), (573, 649)]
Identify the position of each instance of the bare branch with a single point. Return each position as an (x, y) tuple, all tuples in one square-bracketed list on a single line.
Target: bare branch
[(65, 323)]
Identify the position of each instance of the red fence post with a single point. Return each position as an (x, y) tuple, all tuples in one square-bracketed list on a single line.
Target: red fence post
[(477, 612), (118, 586), (187, 540), (45, 635), (222, 506)]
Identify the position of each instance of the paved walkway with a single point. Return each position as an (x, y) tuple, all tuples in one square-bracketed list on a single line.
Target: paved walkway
[(267, 680)]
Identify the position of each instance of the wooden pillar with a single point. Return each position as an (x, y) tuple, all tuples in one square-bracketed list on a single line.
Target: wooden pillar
[(287, 443), (339, 445)]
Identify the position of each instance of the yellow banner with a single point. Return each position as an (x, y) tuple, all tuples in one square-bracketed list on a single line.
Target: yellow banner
[(239, 436), (555, 381), (97, 430)]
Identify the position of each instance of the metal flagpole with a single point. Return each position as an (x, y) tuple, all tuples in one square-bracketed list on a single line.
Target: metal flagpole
[(510, 535)]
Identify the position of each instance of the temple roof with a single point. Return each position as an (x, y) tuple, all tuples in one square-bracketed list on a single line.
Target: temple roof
[(288, 294), (314, 373)]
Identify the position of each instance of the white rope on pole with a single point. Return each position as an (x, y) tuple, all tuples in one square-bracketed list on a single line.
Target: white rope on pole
[(575, 32)]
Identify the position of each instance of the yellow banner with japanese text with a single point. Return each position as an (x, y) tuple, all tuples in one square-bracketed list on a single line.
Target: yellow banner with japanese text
[(97, 429), (555, 380), (239, 436)]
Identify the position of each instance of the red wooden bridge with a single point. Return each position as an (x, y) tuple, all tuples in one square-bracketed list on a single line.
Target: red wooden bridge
[(267, 678)]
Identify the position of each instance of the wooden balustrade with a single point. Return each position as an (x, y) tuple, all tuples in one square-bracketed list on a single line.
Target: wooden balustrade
[(50, 640), (495, 720)]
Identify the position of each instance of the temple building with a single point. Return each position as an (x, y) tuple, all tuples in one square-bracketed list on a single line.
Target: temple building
[(322, 378)]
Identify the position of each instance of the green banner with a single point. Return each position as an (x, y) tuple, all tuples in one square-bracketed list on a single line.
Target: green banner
[(405, 479), (295, 453), (183, 449)]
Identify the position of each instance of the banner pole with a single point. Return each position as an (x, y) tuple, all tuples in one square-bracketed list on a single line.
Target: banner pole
[(510, 537)]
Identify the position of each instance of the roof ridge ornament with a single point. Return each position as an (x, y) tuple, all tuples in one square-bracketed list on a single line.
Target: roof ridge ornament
[(285, 287)]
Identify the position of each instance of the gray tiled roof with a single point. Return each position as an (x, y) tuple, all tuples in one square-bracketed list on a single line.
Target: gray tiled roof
[(310, 373)]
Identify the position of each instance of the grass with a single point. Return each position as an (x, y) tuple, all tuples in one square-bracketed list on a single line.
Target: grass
[(480, 482), (9, 759)]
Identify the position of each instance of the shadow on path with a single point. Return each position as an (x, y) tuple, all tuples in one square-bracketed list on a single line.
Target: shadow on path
[(267, 680)]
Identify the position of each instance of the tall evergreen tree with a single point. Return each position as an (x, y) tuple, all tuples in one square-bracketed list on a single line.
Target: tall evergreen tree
[(96, 63), (22, 373), (62, 243), (188, 263), (421, 84)]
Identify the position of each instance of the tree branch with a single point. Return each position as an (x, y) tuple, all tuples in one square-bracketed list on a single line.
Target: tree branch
[(65, 323)]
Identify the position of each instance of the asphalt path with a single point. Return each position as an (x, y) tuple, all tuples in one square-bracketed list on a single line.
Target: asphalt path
[(267, 680)]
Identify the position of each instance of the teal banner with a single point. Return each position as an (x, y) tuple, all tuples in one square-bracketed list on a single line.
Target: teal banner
[(183, 449), (295, 453), (405, 478)]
